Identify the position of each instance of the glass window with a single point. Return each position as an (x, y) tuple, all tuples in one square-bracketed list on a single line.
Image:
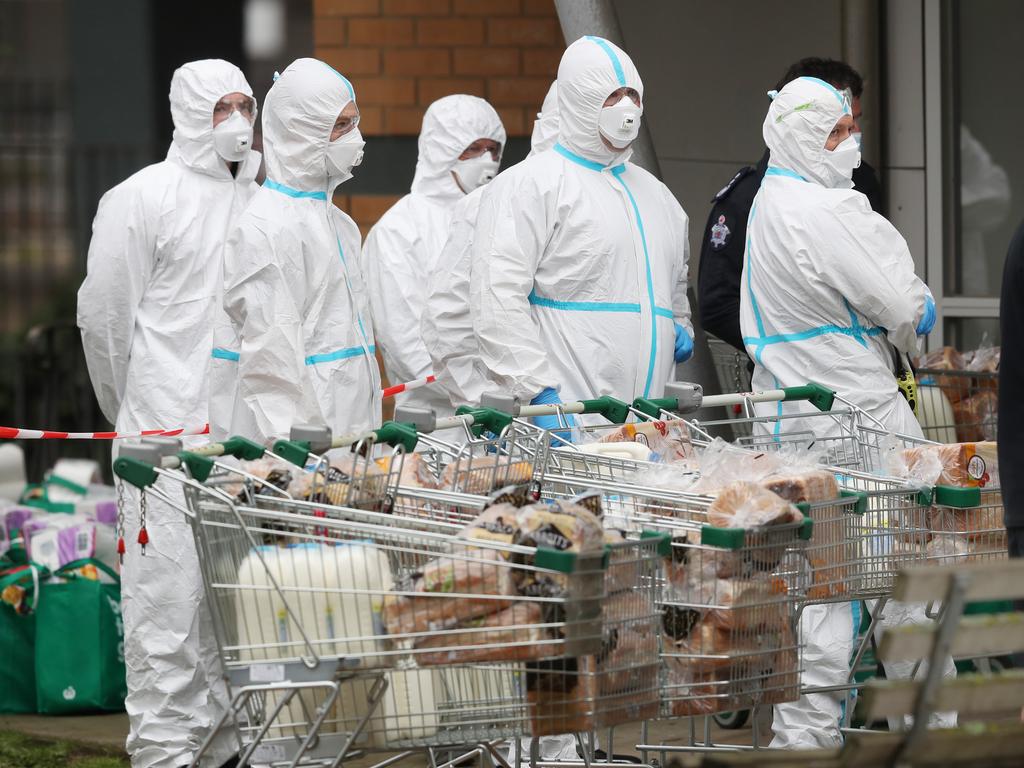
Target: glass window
[(988, 166)]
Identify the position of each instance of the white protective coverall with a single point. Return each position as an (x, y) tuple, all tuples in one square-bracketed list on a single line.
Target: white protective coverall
[(296, 345), (403, 248), (447, 323), (146, 312), (579, 264), (827, 285)]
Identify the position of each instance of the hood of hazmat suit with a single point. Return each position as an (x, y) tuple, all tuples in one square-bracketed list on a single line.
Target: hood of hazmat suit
[(296, 344), (828, 284), (402, 249), (146, 312), (579, 263), (447, 323)]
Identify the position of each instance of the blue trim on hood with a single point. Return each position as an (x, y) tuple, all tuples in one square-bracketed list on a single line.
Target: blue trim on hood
[(588, 164), (616, 64), (296, 193), (351, 90)]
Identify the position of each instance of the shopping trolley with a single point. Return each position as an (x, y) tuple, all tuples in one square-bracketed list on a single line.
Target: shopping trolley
[(349, 629), (733, 369), (958, 405)]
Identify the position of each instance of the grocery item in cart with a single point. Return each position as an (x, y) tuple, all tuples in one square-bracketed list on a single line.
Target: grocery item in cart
[(328, 592), (513, 634), (486, 580), (961, 465), (945, 359), (945, 549), (349, 479), (976, 416), (479, 579), (980, 528), (666, 441), (416, 471), (481, 475), (750, 505), (807, 487)]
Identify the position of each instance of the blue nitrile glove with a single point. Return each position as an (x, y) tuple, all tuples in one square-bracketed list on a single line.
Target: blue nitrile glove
[(549, 396), (684, 344), (928, 320)]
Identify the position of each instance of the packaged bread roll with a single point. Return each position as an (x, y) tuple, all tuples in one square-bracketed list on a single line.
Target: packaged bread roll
[(945, 359), (562, 696), (964, 465), (814, 486), (348, 479), (561, 526), (749, 505), (481, 577), (481, 475), (415, 472), (976, 416), (516, 633)]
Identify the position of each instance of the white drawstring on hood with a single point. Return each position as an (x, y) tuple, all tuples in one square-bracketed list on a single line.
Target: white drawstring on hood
[(799, 121), (450, 125), (301, 108), (591, 69), (196, 88)]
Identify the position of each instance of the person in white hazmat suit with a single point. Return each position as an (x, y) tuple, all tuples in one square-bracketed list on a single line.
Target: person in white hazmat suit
[(146, 313), (447, 324), (579, 265), (828, 285), (295, 344), (460, 148)]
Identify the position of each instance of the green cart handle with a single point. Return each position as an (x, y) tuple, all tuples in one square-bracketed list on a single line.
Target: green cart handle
[(485, 419), (819, 396)]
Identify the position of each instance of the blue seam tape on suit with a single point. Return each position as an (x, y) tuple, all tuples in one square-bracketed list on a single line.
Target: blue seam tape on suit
[(340, 354), (296, 193), (224, 354)]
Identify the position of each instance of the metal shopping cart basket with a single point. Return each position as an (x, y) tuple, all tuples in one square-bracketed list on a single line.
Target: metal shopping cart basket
[(958, 405), (733, 370), (346, 629)]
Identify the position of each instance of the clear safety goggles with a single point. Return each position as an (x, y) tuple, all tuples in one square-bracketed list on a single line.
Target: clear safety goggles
[(244, 105), (847, 97), (344, 125)]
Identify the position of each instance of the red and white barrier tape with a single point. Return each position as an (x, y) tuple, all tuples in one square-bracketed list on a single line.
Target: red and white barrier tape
[(15, 433), (400, 388)]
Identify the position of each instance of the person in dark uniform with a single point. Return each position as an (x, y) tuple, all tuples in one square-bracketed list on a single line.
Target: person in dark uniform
[(721, 251), (1011, 384)]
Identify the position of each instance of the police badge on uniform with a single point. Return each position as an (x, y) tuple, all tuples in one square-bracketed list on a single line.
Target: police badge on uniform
[(720, 234)]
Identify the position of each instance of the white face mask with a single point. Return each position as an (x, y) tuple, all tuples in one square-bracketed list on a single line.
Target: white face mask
[(840, 162), (232, 138), (476, 171), (620, 123), (344, 154)]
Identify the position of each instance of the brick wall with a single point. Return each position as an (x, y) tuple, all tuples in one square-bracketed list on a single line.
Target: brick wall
[(403, 54)]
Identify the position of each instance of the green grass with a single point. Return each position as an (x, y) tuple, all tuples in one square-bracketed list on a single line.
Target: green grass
[(20, 751)]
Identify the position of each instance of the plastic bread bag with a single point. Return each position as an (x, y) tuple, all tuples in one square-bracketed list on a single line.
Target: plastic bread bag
[(750, 505)]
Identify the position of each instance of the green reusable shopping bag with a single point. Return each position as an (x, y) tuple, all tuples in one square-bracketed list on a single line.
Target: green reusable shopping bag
[(17, 641), (80, 643)]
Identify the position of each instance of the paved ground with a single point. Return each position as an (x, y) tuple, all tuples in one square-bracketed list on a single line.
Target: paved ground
[(110, 731)]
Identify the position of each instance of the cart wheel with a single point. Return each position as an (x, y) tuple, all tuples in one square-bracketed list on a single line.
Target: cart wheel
[(732, 720)]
